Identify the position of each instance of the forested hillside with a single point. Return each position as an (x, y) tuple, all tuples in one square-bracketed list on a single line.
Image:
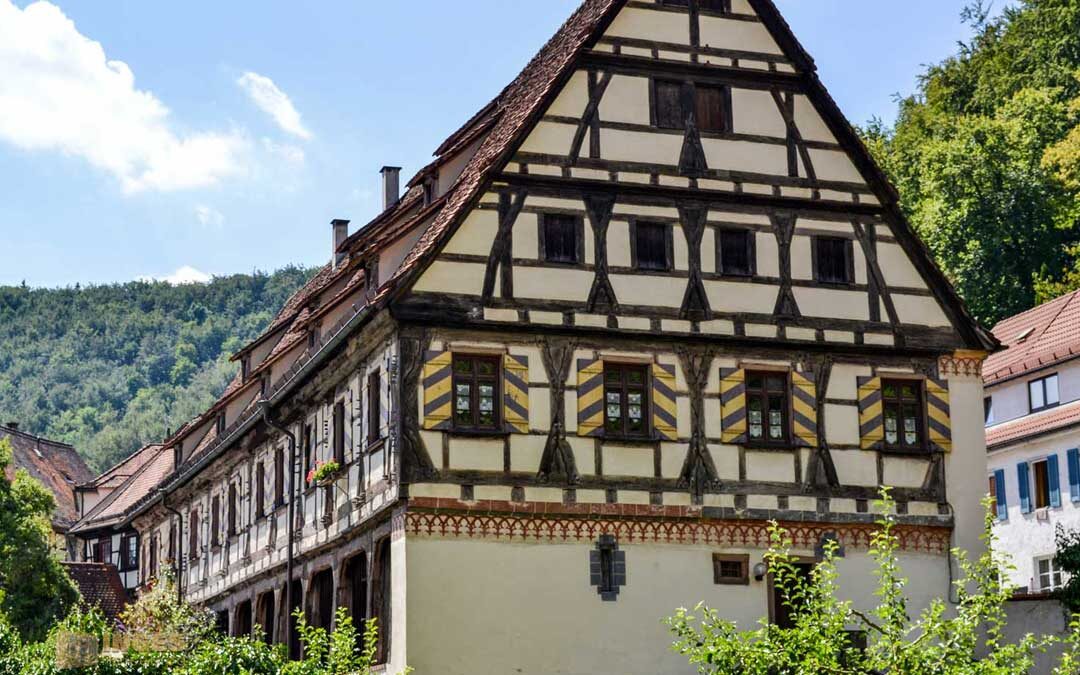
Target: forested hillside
[(986, 156), (110, 368)]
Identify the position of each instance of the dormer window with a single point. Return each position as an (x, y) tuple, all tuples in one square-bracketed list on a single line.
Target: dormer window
[(220, 425), (313, 337), (245, 368), (429, 190)]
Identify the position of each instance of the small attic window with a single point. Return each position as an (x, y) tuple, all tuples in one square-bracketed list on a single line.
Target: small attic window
[(1025, 335), (245, 368), (717, 6), (429, 190)]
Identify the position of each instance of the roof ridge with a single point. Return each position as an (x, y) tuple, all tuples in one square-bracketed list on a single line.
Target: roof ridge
[(117, 491)]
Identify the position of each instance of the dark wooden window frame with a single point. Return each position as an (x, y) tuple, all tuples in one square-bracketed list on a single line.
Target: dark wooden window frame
[(215, 521), (743, 578), (751, 251), (993, 495), (579, 239), (129, 562), (1040, 498), (764, 442), (669, 245), (727, 117), (338, 427), (646, 407), (922, 444), (849, 260), (771, 591), (475, 380), (308, 454), (260, 490), (193, 534), (232, 511), (280, 458), (220, 424), (374, 416), (1041, 381)]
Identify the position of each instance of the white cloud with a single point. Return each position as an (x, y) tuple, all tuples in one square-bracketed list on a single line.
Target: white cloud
[(60, 92), (292, 154), (209, 216), (274, 102), (184, 275)]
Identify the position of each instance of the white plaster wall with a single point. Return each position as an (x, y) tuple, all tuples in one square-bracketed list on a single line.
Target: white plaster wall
[(478, 606), (1011, 398), (966, 462), (1024, 537)]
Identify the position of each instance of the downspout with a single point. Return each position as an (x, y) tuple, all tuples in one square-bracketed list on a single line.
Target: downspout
[(179, 548), (273, 424)]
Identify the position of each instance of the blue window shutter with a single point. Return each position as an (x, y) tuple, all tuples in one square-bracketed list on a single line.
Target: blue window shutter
[(1022, 472), (1002, 504), (1054, 478), (1074, 474)]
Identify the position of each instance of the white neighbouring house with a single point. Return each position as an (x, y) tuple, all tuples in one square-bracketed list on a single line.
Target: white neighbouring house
[(1033, 434)]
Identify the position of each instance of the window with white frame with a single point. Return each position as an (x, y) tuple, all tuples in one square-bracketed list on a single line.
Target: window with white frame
[(1043, 393), (988, 410), (1050, 577)]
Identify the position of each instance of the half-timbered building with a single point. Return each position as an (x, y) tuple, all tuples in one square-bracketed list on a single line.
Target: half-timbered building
[(651, 297)]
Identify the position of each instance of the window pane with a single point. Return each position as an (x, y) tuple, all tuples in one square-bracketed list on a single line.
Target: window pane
[(1037, 399), (756, 417), (892, 426), (560, 239), (486, 367), (709, 109), (776, 418), (1052, 390), (735, 252), (669, 111), (652, 246), (463, 403), (832, 264)]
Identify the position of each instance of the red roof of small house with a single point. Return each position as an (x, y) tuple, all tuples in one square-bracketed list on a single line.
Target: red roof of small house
[(56, 465), (155, 464), (100, 586), (1038, 338), (1037, 424)]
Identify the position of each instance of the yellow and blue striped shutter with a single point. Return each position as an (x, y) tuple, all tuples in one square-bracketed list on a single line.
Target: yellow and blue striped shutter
[(871, 414), (937, 414), (733, 405), (665, 423), (590, 397), (437, 395), (804, 408), (516, 393)]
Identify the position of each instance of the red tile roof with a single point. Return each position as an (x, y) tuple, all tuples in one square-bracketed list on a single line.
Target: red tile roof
[(1037, 424), (156, 464), (56, 465), (100, 586), (1040, 337)]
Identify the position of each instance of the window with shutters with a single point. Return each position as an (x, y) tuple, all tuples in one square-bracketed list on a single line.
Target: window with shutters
[(561, 239), (215, 521), (193, 535), (767, 404), (129, 552), (279, 477), (626, 400), (234, 511), (651, 246), (833, 260), (260, 490), (476, 392), (339, 432), (735, 252), (374, 419), (1043, 393), (308, 454), (711, 106), (902, 407), (993, 494)]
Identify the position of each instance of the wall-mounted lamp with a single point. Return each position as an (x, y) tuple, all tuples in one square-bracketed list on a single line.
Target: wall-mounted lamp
[(760, 570)]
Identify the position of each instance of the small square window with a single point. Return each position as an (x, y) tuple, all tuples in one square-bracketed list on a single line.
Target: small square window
[(1043, 393), (833, 261), (732, 570), (711, 106), (652, 246), (561, 238), (736, 252)]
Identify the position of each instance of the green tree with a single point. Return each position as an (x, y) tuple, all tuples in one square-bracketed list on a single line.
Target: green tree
[(34, 588)]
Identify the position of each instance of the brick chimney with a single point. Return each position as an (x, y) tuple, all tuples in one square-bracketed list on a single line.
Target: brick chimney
[(391, 181), (341, 233)]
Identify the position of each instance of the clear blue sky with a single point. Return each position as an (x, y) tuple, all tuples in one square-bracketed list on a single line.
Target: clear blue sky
[(138, 138)]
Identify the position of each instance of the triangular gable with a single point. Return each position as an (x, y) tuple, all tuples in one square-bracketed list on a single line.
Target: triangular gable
[(524, 103)]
